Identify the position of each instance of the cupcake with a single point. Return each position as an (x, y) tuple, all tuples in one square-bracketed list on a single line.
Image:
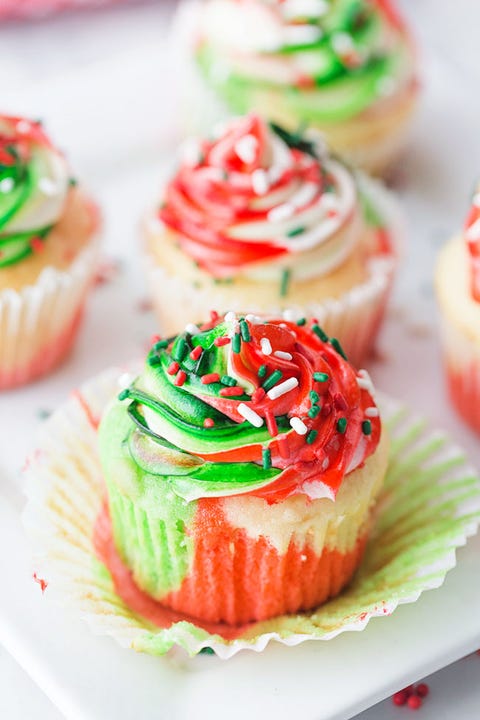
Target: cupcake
[(265, 220), (346, 68), (241, 467), (47, 252), (458, 293)]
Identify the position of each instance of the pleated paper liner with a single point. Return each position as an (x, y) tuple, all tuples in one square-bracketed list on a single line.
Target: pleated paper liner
[(430, 505)]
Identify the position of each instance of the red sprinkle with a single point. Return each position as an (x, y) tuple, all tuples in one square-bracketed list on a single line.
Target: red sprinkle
[(154, 339), (400, 698), (332, 213), (414, 702), (43, 583), (36, 244), (283, 447), (196, 352), (258, 395), (422, 690), (271, 423), (214, 316), (208, 423), (210, 378), (173, 368), (180, 378), (232, 391), (220, 341)]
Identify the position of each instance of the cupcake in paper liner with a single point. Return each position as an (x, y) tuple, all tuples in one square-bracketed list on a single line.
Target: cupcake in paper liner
[(264, 220), (458, 293), (48, 247), (347, 69)]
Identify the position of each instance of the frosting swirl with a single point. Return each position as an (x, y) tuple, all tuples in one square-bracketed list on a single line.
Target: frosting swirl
[(34, 183), (258, 200), (352, 52), (472, 239), (247, 405)]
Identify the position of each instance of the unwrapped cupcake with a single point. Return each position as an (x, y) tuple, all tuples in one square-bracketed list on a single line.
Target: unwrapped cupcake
[(458, 293), (48, 247), (260, 219), (242, 467), (346, 68)]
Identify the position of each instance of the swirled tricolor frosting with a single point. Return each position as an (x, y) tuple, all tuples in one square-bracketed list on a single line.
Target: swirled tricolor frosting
[(244, 405), (258, 200), (472, 239), (34, 183), (332, 59)]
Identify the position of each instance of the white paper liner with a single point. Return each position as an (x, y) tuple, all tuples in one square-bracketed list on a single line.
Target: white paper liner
[(38, 323), (430, 505)]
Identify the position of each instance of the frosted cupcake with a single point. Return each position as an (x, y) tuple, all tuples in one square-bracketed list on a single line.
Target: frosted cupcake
[(265, 220), (47, 252), (458, 292), (242, 467), (346, 68)]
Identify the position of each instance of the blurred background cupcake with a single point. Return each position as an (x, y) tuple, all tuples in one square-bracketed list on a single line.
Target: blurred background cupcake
[(458, 294), (261, 219), (345, 67), (47, 252)]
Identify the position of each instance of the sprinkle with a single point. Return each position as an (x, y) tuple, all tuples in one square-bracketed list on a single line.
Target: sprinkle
[(367, 427), (301, 34), (321, 377), (267, 459), (311, 437), (301, 322), (159, 344), (314, 411), (283, 355), (36, 244), (237, 343), (283, 447), (282, 388), (173, 368), (262, 371), (271, 423), (260, 182), (285, 282), (342, 43), (342, 425), (314, 397), (213, 315), (196, 352), (47, 186), (473, 232), (154, 360), (295, 231), (192, 329), (228, 380), (180, 349), (339, 402), (208, 423), (230, 316), (250, 415), (258, 395), (281, 212), (272, 380), (180, 378), (23, 127), (231, 391), (320, 333), (124, 394), (336, 345), (6, 185), (253, 319), (371, 412), (210, 378), (298, 425), (245, 331), (246, 148), (221, 341), (266, 346)]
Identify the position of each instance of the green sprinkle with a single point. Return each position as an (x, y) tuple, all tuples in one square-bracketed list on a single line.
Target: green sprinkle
[(262, 371), (72, 182), (154, 360), (228, 380), (272, 380), (314, 411), (245, 331), (124, 394), (179, 349), (335, 344), (295, 231), (267, 459), (285, 282), (321, 377), (207, 651), (302, 321), (342, 425), (320, 333), (367, 427), (236, 343), (314, 396), (311, 436), (160, 345)]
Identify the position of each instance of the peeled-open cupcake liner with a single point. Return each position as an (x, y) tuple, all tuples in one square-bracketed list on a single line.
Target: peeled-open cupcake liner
[(428, 508), (38, 323)]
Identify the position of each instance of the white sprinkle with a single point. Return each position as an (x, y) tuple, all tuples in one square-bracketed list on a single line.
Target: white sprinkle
[(260, 183), (293, 9), (325, 463), (342, 43), (303, 558), (230, 317), (23, 126), (476, 200), (192, 329), (281, 212), (47, 186), (301, 34), (266, 346), (305, 195), (473, 232), (6, 185), (250, 415), (254, 319), (290, 315), (275, 173), (246, 148), (298, 425), (283, 355), (191, 152), (372, 412), (365, 382), (282, 389)]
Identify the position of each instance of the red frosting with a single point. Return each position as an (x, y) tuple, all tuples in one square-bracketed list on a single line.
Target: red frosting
[(472, 238), (21, 133)]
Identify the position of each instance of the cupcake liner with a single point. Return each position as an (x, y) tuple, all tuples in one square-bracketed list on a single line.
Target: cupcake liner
[(39, 323), (354, 318), (462, 364), (429, 506)]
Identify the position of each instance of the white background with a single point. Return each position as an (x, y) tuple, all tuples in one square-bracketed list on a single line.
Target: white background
[(102, 84)]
